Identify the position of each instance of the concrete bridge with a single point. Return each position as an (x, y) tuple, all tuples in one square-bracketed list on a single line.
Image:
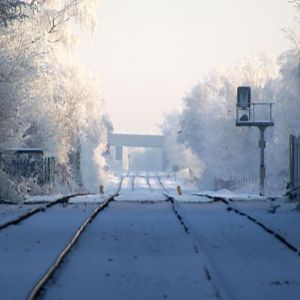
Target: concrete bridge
[(134, 140)]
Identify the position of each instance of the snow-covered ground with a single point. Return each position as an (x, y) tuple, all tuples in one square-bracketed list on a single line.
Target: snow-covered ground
[(87, 199), (251, 263), (280, 216), (138, 187), (143, 246), (9, 212), (133, 251), (28, 249)]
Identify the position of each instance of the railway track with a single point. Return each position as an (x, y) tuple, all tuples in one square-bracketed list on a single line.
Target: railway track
[(44, 207), (40, 285), (211, 266), (210, 271), (135, 180), (33, 211), (230, 207), (279, 237), (162, 185), (129, 222), (32, 240), (148, 183), (132, 182)]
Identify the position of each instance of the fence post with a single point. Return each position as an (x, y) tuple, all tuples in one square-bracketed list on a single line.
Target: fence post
[(298, 161), (292, 162)]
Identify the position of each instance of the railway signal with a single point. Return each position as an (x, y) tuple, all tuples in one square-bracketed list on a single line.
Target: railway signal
[(258, 115)]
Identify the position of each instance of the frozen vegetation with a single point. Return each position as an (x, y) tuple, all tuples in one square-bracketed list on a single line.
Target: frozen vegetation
[(48, 99), (140, 234), (204, 132)]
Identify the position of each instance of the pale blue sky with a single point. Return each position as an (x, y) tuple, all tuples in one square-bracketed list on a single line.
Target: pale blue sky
[(149, 53)]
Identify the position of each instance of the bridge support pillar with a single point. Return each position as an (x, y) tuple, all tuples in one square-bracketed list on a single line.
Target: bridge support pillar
[(119, 153), (164, 160)]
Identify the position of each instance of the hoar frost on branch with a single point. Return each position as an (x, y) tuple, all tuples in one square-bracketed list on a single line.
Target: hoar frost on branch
[(48, 99), (296, 3), (15, 10)]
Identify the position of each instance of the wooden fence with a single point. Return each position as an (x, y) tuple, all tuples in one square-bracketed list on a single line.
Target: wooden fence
[(21, 164)]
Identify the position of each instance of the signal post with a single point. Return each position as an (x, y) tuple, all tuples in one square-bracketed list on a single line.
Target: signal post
[(258, 115)]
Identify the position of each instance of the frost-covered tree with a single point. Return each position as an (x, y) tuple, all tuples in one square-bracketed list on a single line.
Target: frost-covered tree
[(296, 3), (14, 10), (48, 99), (179, 154), (207, 122), (19, 66)]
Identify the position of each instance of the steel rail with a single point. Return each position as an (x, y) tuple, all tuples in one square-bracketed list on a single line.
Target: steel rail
[(272, 232), (36, 210), (37, 289), (267, 229), (132, 182), (221, 292), (162, 185), (120, 184), (148, 183)]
